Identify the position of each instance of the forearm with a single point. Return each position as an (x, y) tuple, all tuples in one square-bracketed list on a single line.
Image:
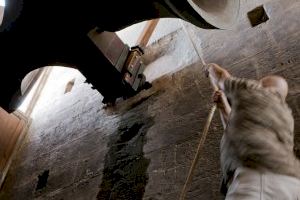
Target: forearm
[(224, 109), (217, 76), (224, 113)]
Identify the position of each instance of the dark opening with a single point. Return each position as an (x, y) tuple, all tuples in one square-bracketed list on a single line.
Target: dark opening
[(257, 16), (42, 182)]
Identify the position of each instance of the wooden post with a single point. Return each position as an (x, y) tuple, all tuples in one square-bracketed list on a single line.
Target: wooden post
[(13, 128), (147, 32)]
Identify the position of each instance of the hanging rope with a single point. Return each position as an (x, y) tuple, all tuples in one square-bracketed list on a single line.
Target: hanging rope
[(207, 124), (197, 155), (200, 146)]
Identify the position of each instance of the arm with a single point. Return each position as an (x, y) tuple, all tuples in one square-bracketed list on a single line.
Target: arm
[(217, 76), (223, 105)]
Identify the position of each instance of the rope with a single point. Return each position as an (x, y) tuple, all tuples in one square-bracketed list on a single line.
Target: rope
[(207, 124), (197, 155), (198, 52)]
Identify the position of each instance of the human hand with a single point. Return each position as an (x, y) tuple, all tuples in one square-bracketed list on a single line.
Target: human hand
[(217, 75), (218, 98)]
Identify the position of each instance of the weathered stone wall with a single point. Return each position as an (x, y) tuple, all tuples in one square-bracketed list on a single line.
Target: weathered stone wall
[(143, 147), (145, 143)]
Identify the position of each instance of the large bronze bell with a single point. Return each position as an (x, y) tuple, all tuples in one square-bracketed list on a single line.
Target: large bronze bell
[(220, 13)]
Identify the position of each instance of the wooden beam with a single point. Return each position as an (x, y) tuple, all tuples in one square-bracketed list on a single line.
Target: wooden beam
[(13, 128), (147, 32)]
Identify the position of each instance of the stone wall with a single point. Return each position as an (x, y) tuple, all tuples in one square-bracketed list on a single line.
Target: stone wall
[(143, 147)]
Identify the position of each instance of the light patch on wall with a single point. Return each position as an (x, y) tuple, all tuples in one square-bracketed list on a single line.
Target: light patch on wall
[(53, 89), (24, 105), (164, 27), (130, 34), (2, 6), (2, 2)]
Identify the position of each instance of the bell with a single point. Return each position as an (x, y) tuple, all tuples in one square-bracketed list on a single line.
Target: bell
[(222, 14)]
